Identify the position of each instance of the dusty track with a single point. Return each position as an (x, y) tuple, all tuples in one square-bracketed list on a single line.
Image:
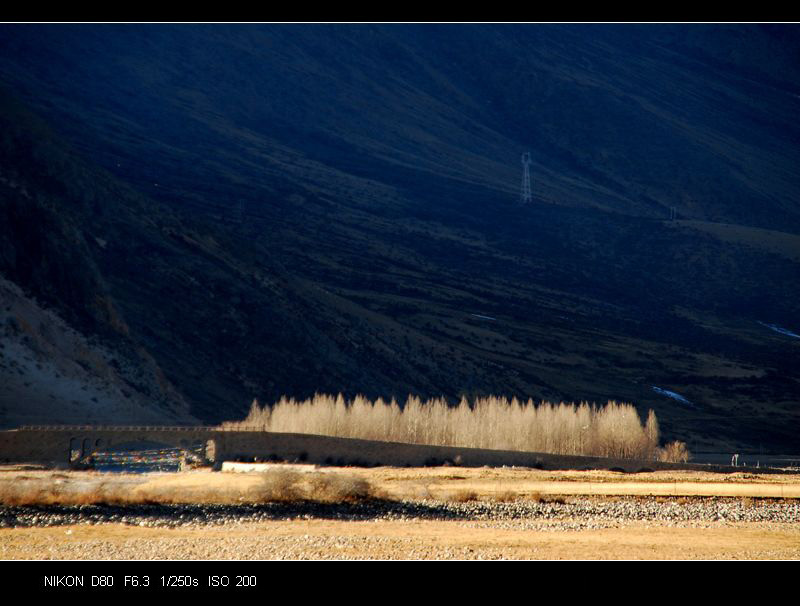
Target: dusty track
[(414, 539)]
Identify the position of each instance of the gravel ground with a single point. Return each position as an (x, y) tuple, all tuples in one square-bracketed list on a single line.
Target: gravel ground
[(554, 528), (572, 513)]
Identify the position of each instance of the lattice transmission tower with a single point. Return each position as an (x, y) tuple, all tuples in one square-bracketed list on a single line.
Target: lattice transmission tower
[(526, 195)]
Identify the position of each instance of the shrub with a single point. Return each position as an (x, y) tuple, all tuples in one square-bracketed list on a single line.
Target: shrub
[(674, 452), (464, 496), (281, 485), (506, 496), (338, 488), (286, 486), (538, 497)]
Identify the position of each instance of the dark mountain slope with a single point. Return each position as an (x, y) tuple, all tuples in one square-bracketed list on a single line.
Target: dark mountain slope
[(326, 208), (119, 267), (632, 119)]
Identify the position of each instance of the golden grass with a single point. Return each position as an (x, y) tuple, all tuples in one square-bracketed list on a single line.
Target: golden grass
[(499, 484), (29, 494), (277, 486)]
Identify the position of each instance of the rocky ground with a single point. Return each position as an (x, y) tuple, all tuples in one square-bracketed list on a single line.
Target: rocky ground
[(557, 514), (571, 528)]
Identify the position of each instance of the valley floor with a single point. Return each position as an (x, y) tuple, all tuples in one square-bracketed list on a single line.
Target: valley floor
[(425, 513), (402, 540)]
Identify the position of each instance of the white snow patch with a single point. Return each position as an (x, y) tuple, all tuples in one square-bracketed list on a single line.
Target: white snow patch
[(672, 394), (780, 329)]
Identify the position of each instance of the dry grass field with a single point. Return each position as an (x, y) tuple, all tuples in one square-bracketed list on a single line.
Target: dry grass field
[(292, 512)]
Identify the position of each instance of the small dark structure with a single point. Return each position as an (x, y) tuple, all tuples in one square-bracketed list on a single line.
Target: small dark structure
[(143, 461)]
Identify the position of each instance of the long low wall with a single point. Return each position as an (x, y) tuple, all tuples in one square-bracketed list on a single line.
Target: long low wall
[(57, 444)]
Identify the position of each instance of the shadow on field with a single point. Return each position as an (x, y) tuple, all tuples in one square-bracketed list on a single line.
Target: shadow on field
[(160, 515)]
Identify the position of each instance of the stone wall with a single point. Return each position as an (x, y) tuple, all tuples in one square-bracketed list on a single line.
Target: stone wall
[(53, 445)]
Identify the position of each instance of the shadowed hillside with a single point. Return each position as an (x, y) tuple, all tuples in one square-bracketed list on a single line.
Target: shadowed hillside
[(301, 209)]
